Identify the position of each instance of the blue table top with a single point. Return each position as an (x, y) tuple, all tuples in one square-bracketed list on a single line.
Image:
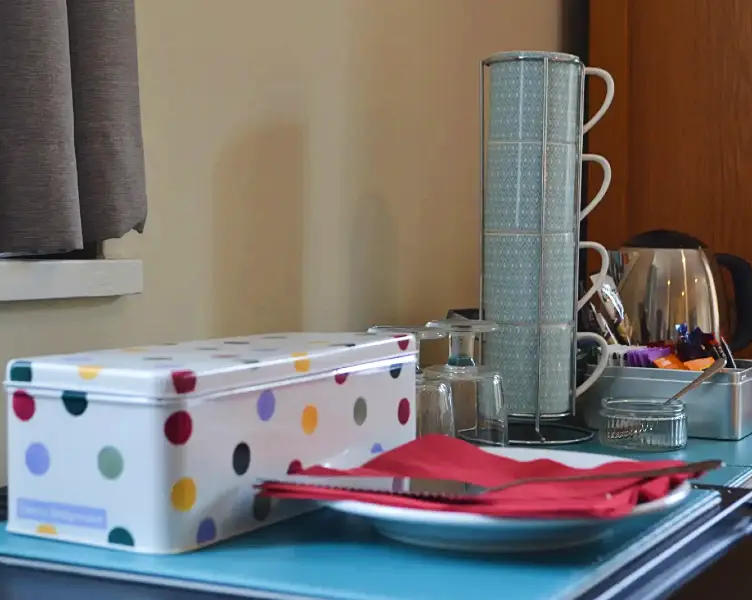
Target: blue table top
[(328, 555), (732, 453)]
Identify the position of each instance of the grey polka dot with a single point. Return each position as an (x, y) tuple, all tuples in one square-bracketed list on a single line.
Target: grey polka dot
[(262, 506), (360, 411)]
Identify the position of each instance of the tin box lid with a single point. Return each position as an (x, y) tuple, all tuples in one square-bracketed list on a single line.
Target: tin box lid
[(206, 367)]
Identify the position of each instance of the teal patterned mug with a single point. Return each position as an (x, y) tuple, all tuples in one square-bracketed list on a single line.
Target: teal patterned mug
[(539, 96)]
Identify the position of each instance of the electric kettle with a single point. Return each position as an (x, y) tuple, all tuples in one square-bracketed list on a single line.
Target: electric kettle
[(665, 278)]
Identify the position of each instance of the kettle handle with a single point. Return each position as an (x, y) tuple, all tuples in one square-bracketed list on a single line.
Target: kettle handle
[(741, 276)]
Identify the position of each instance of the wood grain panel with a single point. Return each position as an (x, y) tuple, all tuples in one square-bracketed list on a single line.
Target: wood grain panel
[(609, 39), (691, 131), (679, 133)]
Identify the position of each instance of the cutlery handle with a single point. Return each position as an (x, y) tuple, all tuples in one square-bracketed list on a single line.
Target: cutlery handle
[(696, 467)]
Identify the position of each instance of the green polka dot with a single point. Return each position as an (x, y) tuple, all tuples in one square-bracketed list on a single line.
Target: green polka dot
[(110, 462), (121, 536), (75, 403), (21, 371)]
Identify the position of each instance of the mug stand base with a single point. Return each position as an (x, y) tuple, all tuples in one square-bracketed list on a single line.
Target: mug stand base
[(524, 433)]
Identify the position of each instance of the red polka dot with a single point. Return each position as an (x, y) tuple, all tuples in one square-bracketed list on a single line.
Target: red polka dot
[(184, 381), (403, 411), (402, 342), (340, 378), (295, 467), (178, 427), (23, 405)]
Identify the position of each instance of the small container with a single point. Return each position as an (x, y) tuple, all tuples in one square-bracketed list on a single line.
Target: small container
[(157, 449), (719, 409), (645, 424)]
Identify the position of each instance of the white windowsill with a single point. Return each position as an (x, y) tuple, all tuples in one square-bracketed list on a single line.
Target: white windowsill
[(58, 279)]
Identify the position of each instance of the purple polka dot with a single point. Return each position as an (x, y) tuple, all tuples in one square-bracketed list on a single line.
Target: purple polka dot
[(37, 459), (207, 531), (265, 405), (377, 449)]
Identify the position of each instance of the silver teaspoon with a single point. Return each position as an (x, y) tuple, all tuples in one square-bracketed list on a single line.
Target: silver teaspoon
[(704, 376)]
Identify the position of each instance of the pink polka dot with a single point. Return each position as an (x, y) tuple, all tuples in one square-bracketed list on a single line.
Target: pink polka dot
[(184, 381), (340, 378), (178, 427), (295, 466), (402, 342), (23, 405), (403, 411)]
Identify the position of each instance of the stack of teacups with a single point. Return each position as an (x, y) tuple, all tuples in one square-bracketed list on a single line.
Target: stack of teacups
[(533, 128)]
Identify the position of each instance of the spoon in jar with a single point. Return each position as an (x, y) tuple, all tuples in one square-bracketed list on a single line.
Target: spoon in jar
[(704, 376)]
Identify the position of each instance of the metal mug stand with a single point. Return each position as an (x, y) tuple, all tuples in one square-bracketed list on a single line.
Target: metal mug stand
[(539, 428)]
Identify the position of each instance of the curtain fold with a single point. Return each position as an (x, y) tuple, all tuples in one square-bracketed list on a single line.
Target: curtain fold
[(71, 151)]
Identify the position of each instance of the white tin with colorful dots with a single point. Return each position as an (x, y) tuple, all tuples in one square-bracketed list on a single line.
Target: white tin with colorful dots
[(157, 449)]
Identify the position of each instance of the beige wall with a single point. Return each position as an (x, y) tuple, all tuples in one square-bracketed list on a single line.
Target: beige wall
[(312, 164)]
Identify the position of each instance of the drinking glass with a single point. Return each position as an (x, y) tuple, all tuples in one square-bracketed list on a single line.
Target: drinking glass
[(476, 391), (432, 397)]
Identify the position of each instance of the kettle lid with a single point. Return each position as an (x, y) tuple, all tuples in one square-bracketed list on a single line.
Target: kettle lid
[(664, 238)]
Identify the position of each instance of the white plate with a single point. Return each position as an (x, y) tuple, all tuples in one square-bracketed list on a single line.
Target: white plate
[(476, 533)]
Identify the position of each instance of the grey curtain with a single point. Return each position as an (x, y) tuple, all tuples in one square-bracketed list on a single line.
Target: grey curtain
[(71, 155)]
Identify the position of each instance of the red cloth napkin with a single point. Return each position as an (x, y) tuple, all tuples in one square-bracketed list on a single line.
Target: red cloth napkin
[(442, 457)]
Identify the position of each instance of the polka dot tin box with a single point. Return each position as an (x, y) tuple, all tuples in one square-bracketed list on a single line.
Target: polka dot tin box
[(157, 449)]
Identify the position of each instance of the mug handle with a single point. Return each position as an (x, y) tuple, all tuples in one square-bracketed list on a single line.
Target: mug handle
[(602, 363), (605, 76), (606, 166), (602, 274)]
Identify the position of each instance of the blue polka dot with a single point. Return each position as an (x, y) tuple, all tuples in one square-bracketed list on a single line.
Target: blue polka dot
[(265, 405), (377, 449), (207, 531), (37, 459)]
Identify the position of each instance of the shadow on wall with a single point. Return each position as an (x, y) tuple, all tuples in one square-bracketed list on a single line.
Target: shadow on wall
[(414, 114), (374, 263), (258, 230)]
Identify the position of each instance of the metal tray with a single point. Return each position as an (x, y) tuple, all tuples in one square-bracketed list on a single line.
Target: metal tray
[(720, 409)]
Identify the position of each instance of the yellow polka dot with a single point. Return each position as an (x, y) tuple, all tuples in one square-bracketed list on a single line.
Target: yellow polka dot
[(88, 371), (134, 349), (302, 364), (184, 494), (45, 529), (310, 419)]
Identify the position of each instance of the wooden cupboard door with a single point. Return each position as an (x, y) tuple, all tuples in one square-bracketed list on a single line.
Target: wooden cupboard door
[(679, 132)]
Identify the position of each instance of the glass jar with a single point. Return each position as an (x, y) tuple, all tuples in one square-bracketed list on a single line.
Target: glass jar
[(645, 424)]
